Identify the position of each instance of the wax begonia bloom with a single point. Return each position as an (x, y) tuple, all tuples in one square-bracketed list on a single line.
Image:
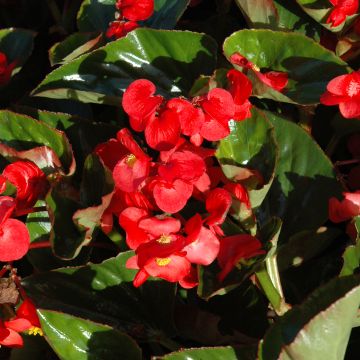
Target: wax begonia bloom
[(277, 80), (6, 69), (111, 152), (236, 247), (27, 311), (344, 91), (135, 10), (140, 103), (218, 106), (218, 203), (9, 332), (342, 9), (14, 235), (2, 184), (119, 29), (29, 180), (345, 209)]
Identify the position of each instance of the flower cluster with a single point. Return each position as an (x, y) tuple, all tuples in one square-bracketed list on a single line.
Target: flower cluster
[(30, 184), (172, 205), (129, 12), (342, 9), (6, 69)]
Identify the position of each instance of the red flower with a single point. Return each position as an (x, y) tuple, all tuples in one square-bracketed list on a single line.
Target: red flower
[(344, 91), (218, 203), (274, 79), (236, 247), (135, 10), (9, 332), (30, 183), (342, 9), (5, 69), (119, 29), (14, 235), (27, 311), (346, 209), (240, 89)]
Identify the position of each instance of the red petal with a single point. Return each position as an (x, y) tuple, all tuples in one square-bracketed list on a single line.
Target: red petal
[(111, 152), (14, 240), (119, 29), (27, 310), (158, 226), (350, 109), (239, 191), (275, 79), (190, 117), (233, 248), (240, 86), (184, 165), (327, 98), (10, 338), (140, 278), (238, 59), (204, 249), (140, 103), (218, 203), (2, 186), (190, 280), (7, 206), (126, 139), (18, 324), (346, 209), (135, 9), (163, 132), (172, 197), (177, 268)]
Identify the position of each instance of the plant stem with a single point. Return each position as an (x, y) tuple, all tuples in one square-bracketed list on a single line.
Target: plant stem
[(332, 145)]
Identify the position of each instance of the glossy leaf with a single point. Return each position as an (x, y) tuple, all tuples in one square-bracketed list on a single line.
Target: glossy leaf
[(17, 44), (74, 338), (313, 330), (166, 13), (278, 15), (251, 145), (105, 293), (212, 353), (319, 10), (304, 179), (27, 138), (159, 56), (309, 66), (351, 255), (73, 46)]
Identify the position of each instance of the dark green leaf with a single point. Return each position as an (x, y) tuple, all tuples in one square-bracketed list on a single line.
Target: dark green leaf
[(104, 293), (73, 338), (17, 44), (159, 56), (304, 179), (309, 66), (26, 138), (212, 353), (73, 46), (313, 330)]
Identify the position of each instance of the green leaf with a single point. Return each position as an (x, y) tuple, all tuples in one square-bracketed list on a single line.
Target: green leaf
[(251, 145), (304, 179), (73, 46), (159, 56), (74, 338), (319, 328), (22, 137), (166, 13), (309, 66), (351, 255), (212, 353), (17, 44), (104, 293), (278, 15), (95, 15), (320, 10)]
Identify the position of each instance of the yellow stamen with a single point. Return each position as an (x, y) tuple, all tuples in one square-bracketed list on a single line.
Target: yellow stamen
[(130, 160), (164, 239), (35, 331), (163, 261)]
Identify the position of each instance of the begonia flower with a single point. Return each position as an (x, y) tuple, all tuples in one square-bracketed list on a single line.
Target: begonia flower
[(274, 79), (14, 235), (30, 182), (218, 203), (342, 9), (119, 29), (6, 69), (344, 91), (345, 209), (9, 332), (135, 10), (234, 248)]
